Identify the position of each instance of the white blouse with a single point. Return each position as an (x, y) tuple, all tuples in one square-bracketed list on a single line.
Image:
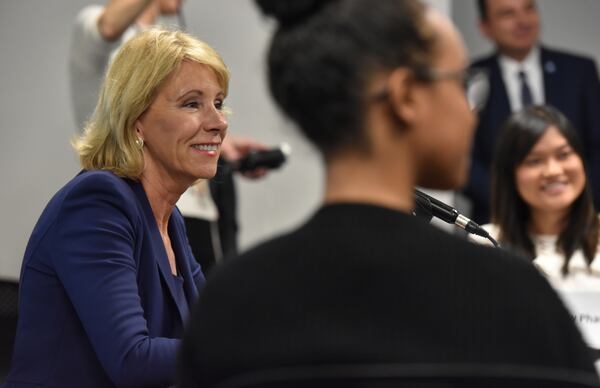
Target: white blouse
[(579, 289), (550, 262)]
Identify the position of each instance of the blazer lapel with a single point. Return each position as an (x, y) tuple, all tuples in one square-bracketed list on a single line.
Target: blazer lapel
[(160, 254), (499, 98), (182, 252), (552, 87)]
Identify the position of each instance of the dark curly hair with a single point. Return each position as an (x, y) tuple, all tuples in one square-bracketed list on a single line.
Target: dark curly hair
[(324, 53)]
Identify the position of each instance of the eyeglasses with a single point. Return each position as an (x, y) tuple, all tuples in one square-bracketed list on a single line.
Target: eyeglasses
[(425, 74), (474, 81)]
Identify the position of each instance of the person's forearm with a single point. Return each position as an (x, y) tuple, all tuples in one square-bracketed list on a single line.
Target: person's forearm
[(118, 15)]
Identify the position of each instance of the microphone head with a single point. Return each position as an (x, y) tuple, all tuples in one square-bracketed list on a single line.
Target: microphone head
[(272, 159), (285, 149)]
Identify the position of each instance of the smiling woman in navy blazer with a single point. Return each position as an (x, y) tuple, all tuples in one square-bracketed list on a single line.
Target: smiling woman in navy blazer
[(108, 275)]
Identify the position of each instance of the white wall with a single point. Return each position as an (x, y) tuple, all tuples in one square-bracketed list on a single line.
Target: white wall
[(35, 117), (444, 6), (36, 120)]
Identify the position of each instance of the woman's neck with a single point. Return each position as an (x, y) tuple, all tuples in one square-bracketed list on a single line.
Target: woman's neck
[(353, 177), (162, 195), (547, 223)]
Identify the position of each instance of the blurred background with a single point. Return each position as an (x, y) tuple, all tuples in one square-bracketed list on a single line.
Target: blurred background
[(37, 122)]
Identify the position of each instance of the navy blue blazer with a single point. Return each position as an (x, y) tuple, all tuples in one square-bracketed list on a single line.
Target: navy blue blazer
[(570, 84), (98, 304)]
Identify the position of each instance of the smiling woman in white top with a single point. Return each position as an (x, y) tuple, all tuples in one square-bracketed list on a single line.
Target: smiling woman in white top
[(541, 199)]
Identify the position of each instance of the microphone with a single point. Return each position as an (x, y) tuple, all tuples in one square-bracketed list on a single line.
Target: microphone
[(272, 158), (429, 207)]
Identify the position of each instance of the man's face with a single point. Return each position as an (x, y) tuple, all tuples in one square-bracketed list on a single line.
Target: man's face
[(513, 25)]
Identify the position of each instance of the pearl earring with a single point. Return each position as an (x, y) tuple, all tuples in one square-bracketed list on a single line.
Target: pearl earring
[(139, 143)]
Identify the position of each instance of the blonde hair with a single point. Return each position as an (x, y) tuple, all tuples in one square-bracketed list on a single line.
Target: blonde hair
[(137, 71)]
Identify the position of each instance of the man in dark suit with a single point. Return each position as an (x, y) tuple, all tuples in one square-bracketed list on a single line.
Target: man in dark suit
[(522, 72)]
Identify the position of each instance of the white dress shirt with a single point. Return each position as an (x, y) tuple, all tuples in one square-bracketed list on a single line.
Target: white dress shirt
[(532, 67)]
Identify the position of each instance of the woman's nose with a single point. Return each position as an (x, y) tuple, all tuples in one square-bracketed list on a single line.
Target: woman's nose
[(218, 122), (552, 167)]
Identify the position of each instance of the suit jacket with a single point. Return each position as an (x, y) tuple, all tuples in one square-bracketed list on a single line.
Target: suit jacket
[(570, 84), (98, 305), (379, 290)]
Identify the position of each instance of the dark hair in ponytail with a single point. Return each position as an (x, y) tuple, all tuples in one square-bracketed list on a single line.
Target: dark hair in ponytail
[(291, 11), (324, 53)]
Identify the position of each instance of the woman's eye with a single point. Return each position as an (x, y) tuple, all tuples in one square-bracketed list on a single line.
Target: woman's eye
[(191, 104), (532, 161), (564, 154), (219, 104)]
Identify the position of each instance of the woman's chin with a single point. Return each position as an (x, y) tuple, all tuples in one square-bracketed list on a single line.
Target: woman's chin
[(557, 204), (206, 172), (206, 175)]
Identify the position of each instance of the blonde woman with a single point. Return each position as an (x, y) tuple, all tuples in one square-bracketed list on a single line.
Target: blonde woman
[(108, 276)]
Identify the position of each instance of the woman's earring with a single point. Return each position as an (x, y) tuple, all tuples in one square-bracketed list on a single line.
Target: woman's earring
[(139, 143)]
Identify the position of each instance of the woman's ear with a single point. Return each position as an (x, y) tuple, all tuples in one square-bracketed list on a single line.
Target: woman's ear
[(139, 128), (401, 89)]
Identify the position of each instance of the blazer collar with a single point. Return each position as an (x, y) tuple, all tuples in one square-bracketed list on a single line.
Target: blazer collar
[(550, 71), (552, 79), (548, 62), (160, 254), (182, 251), (498, 101), (546, 58)]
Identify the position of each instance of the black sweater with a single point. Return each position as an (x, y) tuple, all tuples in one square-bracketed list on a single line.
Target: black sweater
[(361, 284)]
